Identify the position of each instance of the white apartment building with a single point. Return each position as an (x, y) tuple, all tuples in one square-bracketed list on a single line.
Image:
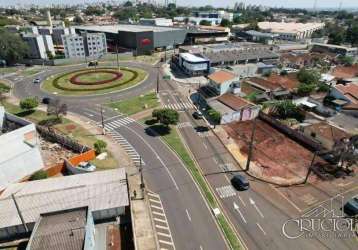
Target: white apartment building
[(84, 45), (36, 44)]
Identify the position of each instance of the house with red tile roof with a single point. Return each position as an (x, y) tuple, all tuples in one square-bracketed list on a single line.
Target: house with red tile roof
[(348, 92), (223, 81), (345, 72)]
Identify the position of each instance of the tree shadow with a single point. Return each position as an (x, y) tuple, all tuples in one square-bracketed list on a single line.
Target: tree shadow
[(25, 113), (150, 122), (157, 130)]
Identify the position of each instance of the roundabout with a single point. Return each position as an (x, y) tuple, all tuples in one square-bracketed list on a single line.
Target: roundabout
[(85, 82)]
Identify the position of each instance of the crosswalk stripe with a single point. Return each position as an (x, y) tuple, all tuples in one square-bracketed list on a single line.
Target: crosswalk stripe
[(164, 234), (161, 227), (166, 242), (160, 220)]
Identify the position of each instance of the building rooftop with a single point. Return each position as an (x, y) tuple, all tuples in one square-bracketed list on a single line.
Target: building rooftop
[(60, 230), (345, 72), (349, 90), (234, 102), (327, 131), (126, 27), (282, 27), (221, 76), (192, 58), (99, 191)]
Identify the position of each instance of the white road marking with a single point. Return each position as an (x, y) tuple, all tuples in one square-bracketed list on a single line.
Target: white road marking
[(156, 201), (160, 220), (242, 201), (164, 234), (226, 191), (236, 207), (157, 213), (161, 161), (201, 248), (252, 202), (216, 160), (262, 230), (161, 227), (187, 213), (156, 207), (166, 242), (206, 147)]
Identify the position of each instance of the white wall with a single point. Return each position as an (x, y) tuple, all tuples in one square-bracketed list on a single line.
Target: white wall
[(19, 156)]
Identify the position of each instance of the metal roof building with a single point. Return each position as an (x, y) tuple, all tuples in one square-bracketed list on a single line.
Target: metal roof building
[(104, 192)]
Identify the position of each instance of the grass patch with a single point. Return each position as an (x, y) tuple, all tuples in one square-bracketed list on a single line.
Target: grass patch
[(67, 127), (4, 88), (8, 70), (62, 80), (136, 104), (173, 140), (30, 71)]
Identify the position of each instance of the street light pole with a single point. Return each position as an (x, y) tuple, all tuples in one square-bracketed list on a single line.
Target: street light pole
[(141, 173), (310, 167), (102, 119), (158, 81), (117, 54), (251, 145)]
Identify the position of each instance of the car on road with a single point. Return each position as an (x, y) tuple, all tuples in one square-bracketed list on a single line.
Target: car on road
[(240, 182), (92, 63), (36, 81), (46, 100), (351, 207), (198, 115)]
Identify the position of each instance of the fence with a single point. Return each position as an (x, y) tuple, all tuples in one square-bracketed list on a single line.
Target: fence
[(293, 134), (63, 140)]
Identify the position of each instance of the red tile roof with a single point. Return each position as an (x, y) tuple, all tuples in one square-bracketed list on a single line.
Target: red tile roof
[(329, 132), (345, 72), (234, 102), (350, 91), (275, 81), (221, 76)]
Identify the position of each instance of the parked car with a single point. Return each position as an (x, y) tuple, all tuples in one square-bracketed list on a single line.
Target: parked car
[(46, 100), (92, 63), (36, 81), (351, 207), (240, 182), (197, 115)]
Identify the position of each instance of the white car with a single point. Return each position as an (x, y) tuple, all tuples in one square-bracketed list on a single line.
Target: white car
[(36, 81)]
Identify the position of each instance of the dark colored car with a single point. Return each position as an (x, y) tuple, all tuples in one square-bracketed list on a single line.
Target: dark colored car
[(351, 207), (92, 63), (197, 115), (240, 182), (46, 100)]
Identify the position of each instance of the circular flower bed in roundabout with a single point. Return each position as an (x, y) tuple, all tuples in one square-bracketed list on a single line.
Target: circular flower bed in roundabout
[(93, 81)]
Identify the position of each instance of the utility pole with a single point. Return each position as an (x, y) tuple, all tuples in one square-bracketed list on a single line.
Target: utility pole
[(141, 173), (251, 145), (19, 212), (310, 167), (158, 80), (102, 119), (117, 55)]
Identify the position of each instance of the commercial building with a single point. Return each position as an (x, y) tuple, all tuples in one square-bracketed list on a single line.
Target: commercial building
[(156, 21), (334, 49), (36, 44), (68, 229), (141, 39), (20, 154), (85, 45), (291, 31), (193, 65), (104, 193), (56, 33)]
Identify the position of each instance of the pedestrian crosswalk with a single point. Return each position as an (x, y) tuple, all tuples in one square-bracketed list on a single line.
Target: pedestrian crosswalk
[(226, 191), (184, 125), (132, 153), (179, 106), (118, 122), (204, 134), (164, 236)]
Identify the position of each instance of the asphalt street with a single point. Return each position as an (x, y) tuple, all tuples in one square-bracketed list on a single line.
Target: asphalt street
[(190, 221), (256, 218)]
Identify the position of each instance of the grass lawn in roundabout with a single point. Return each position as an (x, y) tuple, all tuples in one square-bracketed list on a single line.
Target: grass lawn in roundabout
[(93, 81)]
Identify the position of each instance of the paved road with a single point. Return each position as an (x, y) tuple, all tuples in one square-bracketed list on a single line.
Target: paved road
[(256, 216), (190, 221)]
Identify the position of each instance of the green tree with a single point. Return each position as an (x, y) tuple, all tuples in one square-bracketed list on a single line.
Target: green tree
[(94, 10), (225, 23), (29, 103), (214, 115), (100, 146), (78, 20), (7, 21), (337, 37), (287, 109), (166, 116), (128, 4), (12, 48), (308, 76), (346, 60), (352, 34), (205, 23), (305, 89)]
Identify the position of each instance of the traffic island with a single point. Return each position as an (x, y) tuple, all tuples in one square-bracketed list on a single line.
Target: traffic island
[(93, 81)]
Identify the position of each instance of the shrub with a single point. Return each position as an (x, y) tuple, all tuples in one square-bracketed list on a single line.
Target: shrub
[(39, 175), (100, 146), (29, 103), (214, 115), (322, 87), (166, 116), (51, 121), (305, 89), (4, 88)]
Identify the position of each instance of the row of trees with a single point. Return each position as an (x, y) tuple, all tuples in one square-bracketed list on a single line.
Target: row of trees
[(12, 48)]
